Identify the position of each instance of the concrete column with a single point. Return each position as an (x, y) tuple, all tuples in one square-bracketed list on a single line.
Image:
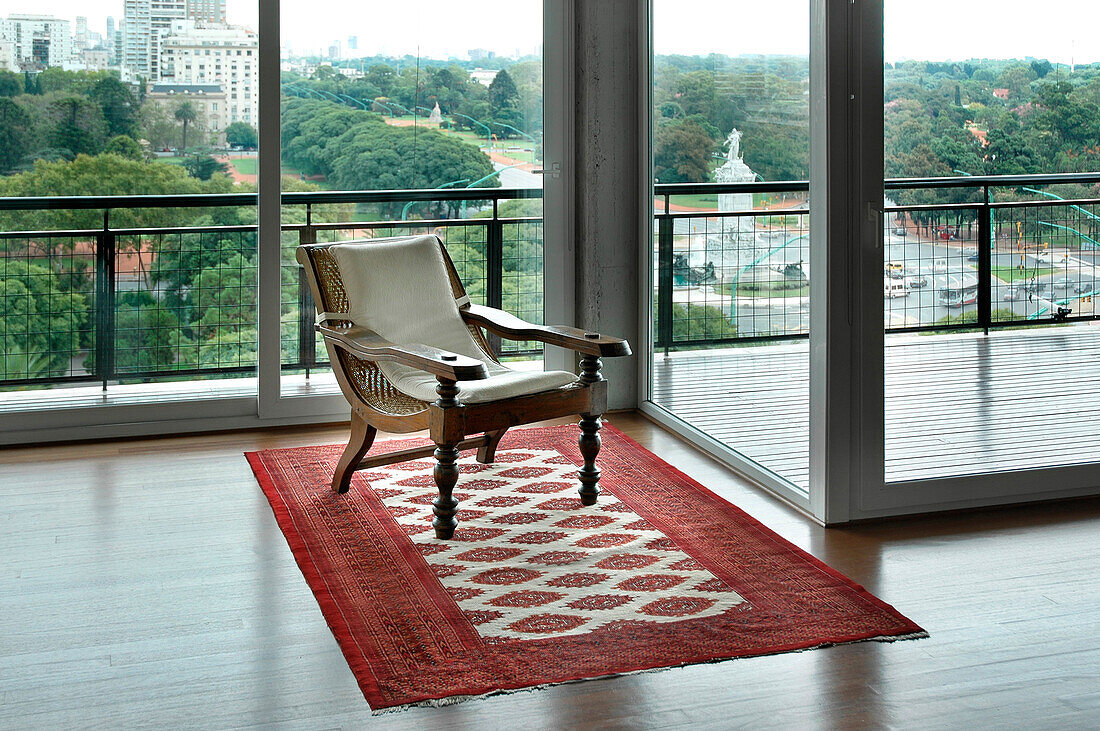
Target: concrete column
[(609, 66)]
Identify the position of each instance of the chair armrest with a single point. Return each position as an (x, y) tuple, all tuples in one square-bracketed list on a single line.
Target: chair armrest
[(511, 327), (365, 344)]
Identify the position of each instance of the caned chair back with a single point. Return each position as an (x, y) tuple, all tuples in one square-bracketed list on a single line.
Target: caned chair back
[(363, 381)]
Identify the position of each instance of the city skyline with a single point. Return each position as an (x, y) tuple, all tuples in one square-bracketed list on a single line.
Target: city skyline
[(935, 30)]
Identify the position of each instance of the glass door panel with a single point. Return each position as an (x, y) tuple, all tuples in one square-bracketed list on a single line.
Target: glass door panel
[(731, 278), (448, 98)]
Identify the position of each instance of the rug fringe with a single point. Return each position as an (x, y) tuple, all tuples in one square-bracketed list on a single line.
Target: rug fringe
[(456, 699)]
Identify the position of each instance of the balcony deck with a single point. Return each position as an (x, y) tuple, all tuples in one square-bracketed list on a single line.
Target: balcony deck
[(955, 404)]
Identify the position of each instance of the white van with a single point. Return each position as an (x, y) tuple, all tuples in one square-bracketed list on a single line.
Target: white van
[(939, 266), (894, 288)]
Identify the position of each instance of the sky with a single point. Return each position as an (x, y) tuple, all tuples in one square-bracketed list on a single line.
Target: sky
[(938, 30)]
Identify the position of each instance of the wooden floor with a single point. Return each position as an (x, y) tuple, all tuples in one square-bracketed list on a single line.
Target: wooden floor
[(146, 583), (955, 404)]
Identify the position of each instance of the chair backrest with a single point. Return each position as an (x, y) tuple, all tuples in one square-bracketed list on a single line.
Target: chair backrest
[(401, 290), (323, 273)]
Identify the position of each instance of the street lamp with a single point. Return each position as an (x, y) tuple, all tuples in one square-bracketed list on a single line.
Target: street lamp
[(385, 106), (488, 132), (519, 131), (337, 99), (353, 99)]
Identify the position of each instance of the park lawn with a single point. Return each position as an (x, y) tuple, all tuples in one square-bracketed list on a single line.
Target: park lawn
[(708, 202), (250, 165), (1014, 274)]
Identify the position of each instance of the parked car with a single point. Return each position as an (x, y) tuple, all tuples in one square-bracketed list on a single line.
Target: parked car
[(1083, 287), (1063, 283), (939, 266), (973, 257), (917, 281), (1012, 294), (900, 231), (894, 269)]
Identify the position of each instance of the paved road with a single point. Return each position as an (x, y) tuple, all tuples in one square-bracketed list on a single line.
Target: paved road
[(940, 265), (516, 178)]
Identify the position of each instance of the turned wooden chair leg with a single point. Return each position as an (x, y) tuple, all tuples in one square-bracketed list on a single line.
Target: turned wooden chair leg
[(362, 436), (589, 440), (487, 453), (446, 469)]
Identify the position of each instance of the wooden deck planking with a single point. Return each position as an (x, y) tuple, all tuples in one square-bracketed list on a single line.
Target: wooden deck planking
[(955, 404)]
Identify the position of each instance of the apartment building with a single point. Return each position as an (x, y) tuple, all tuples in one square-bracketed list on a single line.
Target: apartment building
[(222, 55), (37, 41)]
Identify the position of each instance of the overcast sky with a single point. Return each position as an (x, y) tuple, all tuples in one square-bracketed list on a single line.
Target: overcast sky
[(1058, 30)]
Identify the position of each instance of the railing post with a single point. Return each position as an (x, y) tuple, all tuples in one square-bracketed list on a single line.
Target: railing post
[(105, 302), (494, 268), (664, 281), (985, 264), (307, 335)]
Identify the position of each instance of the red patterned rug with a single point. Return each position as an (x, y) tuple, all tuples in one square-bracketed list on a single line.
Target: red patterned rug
[(537, 589)]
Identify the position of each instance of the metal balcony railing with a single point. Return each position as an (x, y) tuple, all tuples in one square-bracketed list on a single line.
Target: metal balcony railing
[(113, 304), (109, 303), (736, 273)]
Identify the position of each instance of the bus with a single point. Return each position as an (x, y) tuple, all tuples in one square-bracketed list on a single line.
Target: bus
[(894, 288), (956, 290)]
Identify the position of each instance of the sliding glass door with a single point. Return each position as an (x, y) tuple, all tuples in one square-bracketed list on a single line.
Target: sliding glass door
[(731, 277)]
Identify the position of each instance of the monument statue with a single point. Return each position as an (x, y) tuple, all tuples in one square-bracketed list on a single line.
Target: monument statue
[(436, 116), (734, 142), (734, 244)]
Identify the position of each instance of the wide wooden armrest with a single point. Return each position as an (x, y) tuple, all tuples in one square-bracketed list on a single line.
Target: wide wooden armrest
[(511, 327), (368, 345)]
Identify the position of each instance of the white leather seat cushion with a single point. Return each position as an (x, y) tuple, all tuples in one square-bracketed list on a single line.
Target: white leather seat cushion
[(399, 288)]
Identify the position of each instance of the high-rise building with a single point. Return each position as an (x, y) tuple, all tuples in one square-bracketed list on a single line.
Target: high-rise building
[(225, 55), (80, 36), (206, 12), (37, 41), (146, 22)]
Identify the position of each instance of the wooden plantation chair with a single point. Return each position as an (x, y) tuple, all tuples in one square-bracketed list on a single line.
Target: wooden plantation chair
[(409, 353)]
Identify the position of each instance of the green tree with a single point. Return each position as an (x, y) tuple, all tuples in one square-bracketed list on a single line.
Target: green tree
[(504, 101), (223, 297), (682, 153), (118, 105), (11, 84), (241, 134), (382, 77), (697, 92), (15, 133), (41, 321), (78, 125), (381, 157), (185, 114), (700, 322), (204, 166), (124, 146), (110, 174)]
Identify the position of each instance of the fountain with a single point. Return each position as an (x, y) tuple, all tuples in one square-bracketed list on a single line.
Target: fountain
[(738, 234)]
